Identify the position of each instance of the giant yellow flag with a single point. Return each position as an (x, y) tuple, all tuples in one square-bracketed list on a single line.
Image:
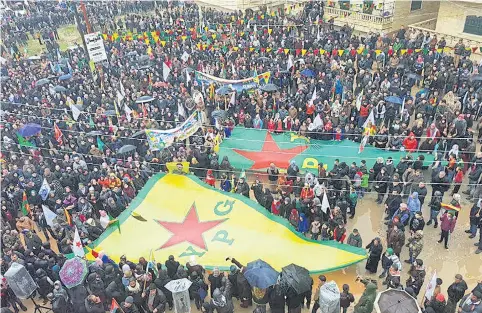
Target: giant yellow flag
[(182, 216)]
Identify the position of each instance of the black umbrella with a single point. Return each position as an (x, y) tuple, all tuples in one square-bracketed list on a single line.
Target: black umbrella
[(141, 132), (414, 76), (42, 82), (126, 148), (297, 277), (476, 77), (220, 114), (224, 90), (60, 89), (269, 87), (144, 99), (396, 301)]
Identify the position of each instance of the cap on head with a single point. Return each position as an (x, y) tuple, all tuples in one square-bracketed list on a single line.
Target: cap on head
[(129, 299)]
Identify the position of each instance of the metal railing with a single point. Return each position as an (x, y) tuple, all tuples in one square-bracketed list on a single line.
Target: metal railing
[(353, 17)]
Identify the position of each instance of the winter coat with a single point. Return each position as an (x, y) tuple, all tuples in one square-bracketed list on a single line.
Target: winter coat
[(469, 307), (415, 244), (417, 224), (416, 279), (171, 268), (396, 240), (346, 298), (365, 304), (447, 224), (77, 297), (223, 302), (159, 302), (456, 291), (413, 203), (94, 307), (115, 290), (354, 240)]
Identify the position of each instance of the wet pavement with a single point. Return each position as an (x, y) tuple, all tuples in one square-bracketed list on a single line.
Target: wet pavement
[(458, 259)]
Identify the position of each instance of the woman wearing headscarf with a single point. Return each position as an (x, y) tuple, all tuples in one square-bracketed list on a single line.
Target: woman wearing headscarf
[(375, 250), (303, 224)]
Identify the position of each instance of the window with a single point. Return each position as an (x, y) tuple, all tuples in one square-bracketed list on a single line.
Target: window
[(473, 25), (416, 5)]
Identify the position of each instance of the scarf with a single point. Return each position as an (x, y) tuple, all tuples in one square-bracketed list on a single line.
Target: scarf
[(135, 289)]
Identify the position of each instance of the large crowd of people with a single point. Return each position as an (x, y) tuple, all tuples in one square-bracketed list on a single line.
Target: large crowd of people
[(82, 126)]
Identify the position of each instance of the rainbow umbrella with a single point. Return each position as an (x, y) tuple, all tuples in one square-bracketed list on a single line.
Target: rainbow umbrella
[(73, 272)]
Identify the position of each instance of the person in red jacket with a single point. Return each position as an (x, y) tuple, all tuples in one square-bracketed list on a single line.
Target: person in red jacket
[(210, 180), (275, 206), (410, 143), (339, 234), (271, 125), (458, 178), (307, 194)]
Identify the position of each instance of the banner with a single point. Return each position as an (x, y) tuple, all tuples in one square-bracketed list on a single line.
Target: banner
[(238, 85), (159, 139)]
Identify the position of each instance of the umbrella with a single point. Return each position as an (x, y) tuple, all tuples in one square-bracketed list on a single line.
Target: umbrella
[(220, 114), (414, 76), (144, 67), (297, 277), (110, 113), (260, 274), (224, 90), (144, 57), (476, 77), (308, 73), (264, 59), (73, 272), (141, 132), (144, 99), (126, 148), (132, 53), (302, 61), (4, 78), (94, 133), (60, 89), (42, 82), (396, 301), (65, 77), (269, 87), (178, 285), (393, 99), (29, 129)]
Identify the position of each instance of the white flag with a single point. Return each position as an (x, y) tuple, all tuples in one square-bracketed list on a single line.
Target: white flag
[(359, 100), (185, 56), (431, 287), (217, 124), (166, 70), (77, 247), (316, 124), (403, 108), (120, 97), (290, 63), (128, 112), (44, 190), (181, 110), (49, 215), (363, 144), (313, 97), (75, 111), (325, 204), (188, 77), (122, 90), (233, 99), (232, 69), (370, 118)]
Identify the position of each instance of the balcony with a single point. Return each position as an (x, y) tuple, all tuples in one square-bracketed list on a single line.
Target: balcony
[(429, 26), (362, 22)]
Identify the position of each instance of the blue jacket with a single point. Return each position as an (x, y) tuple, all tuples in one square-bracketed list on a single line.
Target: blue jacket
[(413, 203)]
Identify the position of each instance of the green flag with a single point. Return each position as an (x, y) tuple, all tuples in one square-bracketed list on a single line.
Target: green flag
[(24, 142), (100, 144), (91, 122), (114, 221)]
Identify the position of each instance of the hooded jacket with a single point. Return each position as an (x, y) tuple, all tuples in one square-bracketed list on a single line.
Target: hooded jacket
[(413, 203), (365, 304)]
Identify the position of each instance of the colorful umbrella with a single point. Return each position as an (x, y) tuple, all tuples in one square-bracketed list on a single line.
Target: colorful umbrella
[(73, 272)]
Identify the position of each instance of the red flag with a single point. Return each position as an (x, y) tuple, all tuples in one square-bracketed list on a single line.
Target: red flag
[(114, 306), (58, 134)]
